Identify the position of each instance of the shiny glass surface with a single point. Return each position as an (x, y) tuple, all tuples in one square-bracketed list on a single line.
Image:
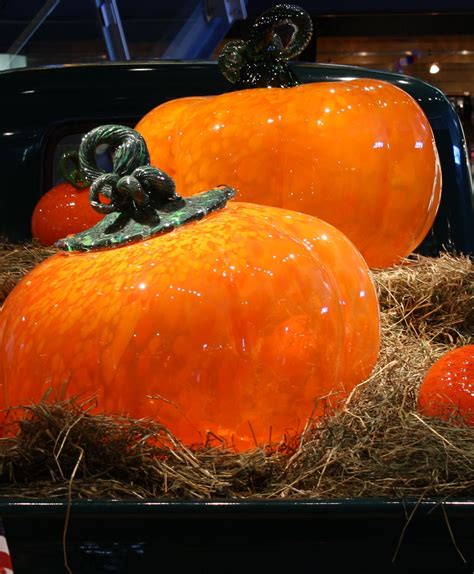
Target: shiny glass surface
[(359, 154), (448, 387), (63, 210), (243, 324)]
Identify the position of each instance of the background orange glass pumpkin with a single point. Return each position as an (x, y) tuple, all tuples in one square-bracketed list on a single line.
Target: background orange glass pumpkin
[(236, 324), (448, 387), (359, 154)]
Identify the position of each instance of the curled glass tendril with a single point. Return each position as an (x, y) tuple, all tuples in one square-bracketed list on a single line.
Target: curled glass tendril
[(75, 176), (134, 187), (262, 60), (141, 200)]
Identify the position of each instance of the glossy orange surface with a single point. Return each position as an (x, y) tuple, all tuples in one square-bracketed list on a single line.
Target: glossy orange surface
[(62, 210), (234, 324), (448, 387), (359, 154)]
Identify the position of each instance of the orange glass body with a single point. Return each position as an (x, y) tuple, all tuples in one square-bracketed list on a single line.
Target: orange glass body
[(448, 387), (238, 324), (61, 211), (359, 154)]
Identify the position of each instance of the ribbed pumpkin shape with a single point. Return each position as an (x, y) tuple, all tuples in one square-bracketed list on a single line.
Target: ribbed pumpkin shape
[(448, 386), (359, 154), (236, 324)]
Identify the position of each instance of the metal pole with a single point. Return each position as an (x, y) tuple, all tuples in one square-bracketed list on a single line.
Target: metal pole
[(28, 32), (205, 26), (112, 30)]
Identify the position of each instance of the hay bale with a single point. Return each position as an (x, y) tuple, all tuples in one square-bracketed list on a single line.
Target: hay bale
[(429, 297), (375, 445), (60, 449)]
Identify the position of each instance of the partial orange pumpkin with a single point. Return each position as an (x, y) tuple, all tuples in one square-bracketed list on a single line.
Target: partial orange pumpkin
[(62, 210), (359, 154), (65, 208), (447, 390), (238, 324)]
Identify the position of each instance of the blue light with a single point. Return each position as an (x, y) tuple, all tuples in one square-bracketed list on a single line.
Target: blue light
[(457, 155)]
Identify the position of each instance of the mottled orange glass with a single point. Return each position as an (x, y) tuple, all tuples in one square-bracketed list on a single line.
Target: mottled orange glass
[(235, 324), (448, 387), (359, 154), (62, 210)]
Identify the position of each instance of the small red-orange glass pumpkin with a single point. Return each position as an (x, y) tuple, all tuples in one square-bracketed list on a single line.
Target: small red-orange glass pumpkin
[(62, 210), (359, 154), (448, 387), (65, 208)]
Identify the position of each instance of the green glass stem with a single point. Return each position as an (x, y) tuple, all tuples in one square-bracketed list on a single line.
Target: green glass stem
[(75, 176), (262, 61), (141, 200)]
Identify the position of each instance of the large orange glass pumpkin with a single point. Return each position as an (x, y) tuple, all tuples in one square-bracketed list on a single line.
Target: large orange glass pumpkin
[(63, 209), (237, 324), (359, 154), (447, 389)]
